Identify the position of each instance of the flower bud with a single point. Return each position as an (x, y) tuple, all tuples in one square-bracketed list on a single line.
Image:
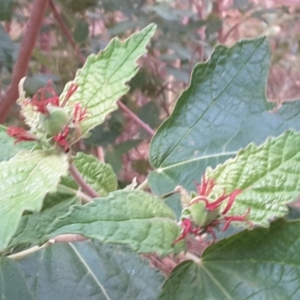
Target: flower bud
[(55, 121)]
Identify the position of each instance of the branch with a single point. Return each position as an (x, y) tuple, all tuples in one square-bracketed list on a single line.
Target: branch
[(21, 66), (81, 182), (66, 31), (29, 251), (64, 238), (136, 119)]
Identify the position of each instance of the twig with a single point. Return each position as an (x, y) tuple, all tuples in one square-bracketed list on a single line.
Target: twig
[(21, 66), (81, 182), (136, 119), (66, 31), (143, 185), (29, 251), (64, 238), (69, 238), (193, 257), (85, 198)]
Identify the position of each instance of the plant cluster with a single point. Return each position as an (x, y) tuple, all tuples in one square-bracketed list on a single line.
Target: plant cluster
[(208, 214), (53, 192)]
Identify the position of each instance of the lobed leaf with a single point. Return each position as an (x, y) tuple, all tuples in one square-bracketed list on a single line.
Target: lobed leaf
[(267, 175), (102, 80), (25, 180), (258, 264), (223, 110), (91, 271), (126, 217), (12, 283)]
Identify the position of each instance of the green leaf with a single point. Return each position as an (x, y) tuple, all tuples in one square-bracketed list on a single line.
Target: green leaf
[(6, 48), (6, 10), (223, 110), (29, 113), (25, 181), (107, 132), (33, 227), (267, 175), (102, 80), (149, 113), (97, 174), (90, 271), (7, 146), (81, 31), (257, 264), (114, 157), (12, 284), (128, 217)]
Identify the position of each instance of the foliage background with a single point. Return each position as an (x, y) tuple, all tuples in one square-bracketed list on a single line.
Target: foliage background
[(187, 33)]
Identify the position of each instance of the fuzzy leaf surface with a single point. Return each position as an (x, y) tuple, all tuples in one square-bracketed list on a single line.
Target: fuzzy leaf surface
[(253, 265), (91, 271), (33, 227), (97, 174), (128, 217), (7, 146), (268, 176), (12, 283), (25, 180), (102, 80), (223, 110)]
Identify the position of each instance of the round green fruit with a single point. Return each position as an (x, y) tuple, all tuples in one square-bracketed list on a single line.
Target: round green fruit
[(55, 122)]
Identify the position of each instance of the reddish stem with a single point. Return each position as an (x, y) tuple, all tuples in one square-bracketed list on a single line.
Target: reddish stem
[(81, 182), (21, 66), (66, 31), (136, 119)]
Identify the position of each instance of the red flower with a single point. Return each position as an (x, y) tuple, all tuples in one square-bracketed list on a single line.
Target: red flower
[(40, 102), (61, 138), (20, 134), (211, 211)]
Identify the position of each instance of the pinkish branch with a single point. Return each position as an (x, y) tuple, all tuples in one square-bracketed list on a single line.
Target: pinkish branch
[(136, 119), (21, 66), (81, 182), (66, 31)]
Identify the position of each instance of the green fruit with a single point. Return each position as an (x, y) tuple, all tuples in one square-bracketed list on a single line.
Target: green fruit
[(200, 215), (55, 122)]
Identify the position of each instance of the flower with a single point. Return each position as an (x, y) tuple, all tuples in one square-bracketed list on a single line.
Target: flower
[(203, 214), (20, 134)]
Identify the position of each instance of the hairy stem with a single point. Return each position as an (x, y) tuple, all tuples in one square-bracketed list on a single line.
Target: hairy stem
[(21, 66), (81, 182)]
